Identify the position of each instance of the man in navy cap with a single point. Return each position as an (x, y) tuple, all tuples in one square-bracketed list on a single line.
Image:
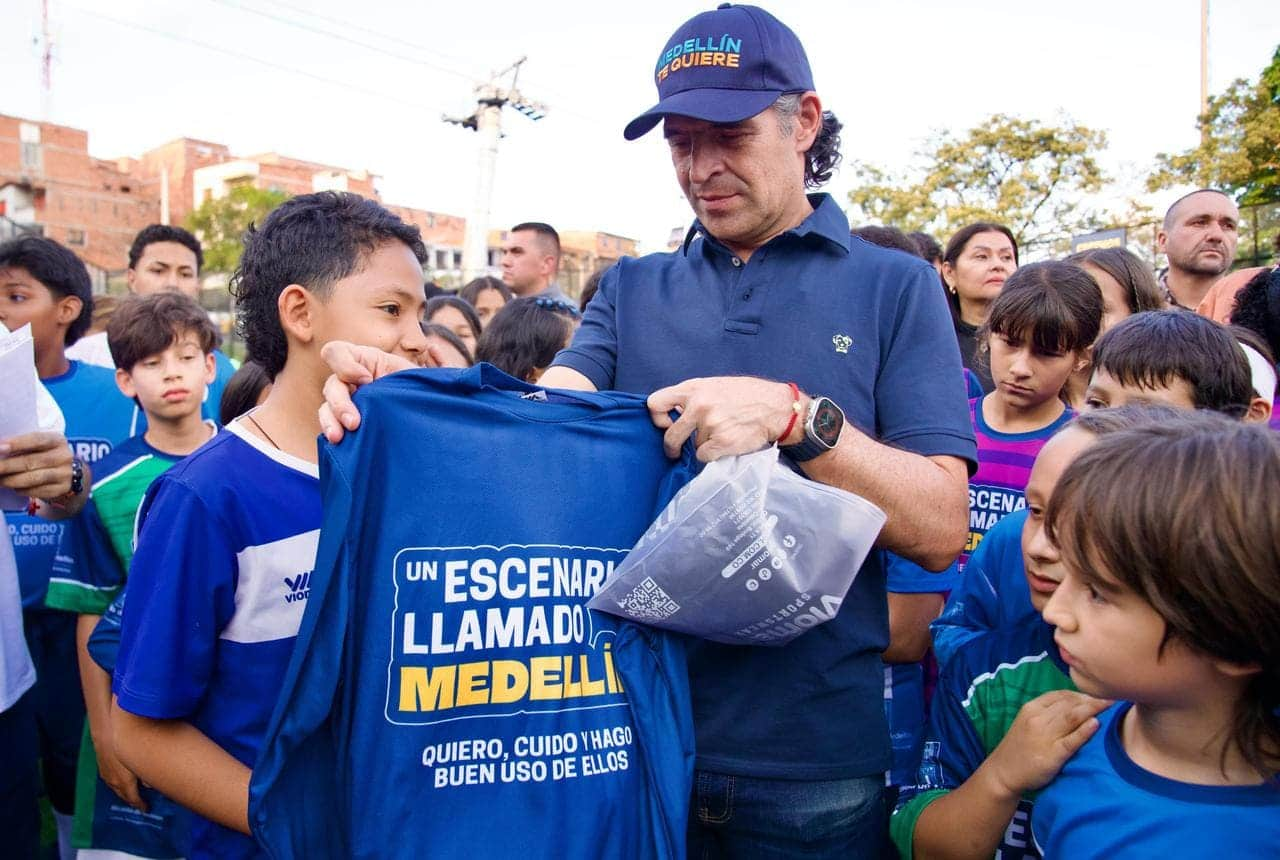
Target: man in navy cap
[(772, 325)]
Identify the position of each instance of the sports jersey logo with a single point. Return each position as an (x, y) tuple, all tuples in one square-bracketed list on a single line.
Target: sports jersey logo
[(299, 587), (90, 450)]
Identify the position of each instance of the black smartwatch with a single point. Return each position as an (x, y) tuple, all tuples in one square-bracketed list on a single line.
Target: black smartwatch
[(822, 425)]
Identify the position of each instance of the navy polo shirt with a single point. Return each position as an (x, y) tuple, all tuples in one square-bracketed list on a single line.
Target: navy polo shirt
[(867, 327)]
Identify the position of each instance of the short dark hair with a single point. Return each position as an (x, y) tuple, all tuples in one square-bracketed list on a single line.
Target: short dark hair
[(1168, 213), (1055, 306), (1153, 348), (590, 288), (1113, 419), (927, 246), (1257, 307), (144, 326), (164, 233), (242, 391), (956, 245), (1142, 293), (313, 240), (546, 231), (526, 334), (460, 305), (61, 272), (886, 237), (471, 292), (1184, 514)]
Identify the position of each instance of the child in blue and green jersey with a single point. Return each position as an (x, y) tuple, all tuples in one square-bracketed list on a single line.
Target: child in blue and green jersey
[(1005, 698), (162, 345)]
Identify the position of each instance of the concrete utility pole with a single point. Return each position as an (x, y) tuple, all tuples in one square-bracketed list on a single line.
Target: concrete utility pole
[(491, 98)]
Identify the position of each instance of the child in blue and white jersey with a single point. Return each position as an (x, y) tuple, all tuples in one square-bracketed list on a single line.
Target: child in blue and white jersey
[(228, 538), (1170, 542)]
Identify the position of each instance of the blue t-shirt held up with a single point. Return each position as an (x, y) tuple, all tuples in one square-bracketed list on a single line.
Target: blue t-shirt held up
[(867, 327), (451, 695)]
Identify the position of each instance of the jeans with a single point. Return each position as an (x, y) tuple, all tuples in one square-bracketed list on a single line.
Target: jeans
[(737, 816), (19, 780)]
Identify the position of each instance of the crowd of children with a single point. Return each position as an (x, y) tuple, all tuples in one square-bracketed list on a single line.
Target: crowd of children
[(1104, 675)]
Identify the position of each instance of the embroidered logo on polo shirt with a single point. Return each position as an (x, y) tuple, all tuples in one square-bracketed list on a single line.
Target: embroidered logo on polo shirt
[(842, 343)]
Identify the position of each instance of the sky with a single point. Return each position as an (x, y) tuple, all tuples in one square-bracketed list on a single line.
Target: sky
[(268, 75)]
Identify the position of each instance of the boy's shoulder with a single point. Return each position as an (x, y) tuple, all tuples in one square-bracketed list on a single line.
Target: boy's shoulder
[(237, 474), (994, 674), (122, 458)]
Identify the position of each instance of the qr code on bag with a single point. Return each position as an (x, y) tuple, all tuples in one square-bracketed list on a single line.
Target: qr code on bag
[(648, 602)]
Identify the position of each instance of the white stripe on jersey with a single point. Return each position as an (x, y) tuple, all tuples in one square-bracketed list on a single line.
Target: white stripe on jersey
[(272, 588)]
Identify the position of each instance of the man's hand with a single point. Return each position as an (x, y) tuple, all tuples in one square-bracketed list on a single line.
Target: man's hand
[(1044, 736), (36, 464), (352, 367), (113, 772), (731, 414)]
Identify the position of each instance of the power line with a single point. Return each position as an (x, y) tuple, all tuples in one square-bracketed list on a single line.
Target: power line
[(301, 25), (133, 25), (342, 37), (351, 25)]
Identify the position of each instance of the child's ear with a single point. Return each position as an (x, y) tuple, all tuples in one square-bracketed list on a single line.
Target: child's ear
[(125, 383), (1084, 358), (1259, 411), (210, 368), (69, 308), (297, 316)]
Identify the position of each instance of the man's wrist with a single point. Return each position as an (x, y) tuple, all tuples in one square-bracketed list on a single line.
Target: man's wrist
[(793, 420)]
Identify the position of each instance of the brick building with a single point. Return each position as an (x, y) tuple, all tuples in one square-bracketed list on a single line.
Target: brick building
[(50, 184)]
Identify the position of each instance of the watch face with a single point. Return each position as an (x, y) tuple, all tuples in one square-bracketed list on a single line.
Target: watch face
[(827, 422)]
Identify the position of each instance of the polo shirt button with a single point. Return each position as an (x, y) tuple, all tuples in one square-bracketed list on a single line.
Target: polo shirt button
[(746, 296), (737, 262)]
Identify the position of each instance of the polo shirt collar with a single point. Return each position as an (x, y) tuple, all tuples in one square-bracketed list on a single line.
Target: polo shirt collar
[(826, 221)]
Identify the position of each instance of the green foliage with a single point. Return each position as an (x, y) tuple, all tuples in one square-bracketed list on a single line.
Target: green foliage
[(1239, 150), (1017, 172), (220, 223)]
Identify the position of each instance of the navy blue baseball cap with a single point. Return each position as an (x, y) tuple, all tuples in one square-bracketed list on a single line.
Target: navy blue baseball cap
[(726, 65)]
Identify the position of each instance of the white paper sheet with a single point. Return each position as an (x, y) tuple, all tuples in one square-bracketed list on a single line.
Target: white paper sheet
[(17, 397)]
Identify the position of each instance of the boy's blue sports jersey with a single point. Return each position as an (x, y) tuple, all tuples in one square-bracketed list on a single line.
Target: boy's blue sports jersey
[(993, 593), (451, 695), (98, 418), (904, 682), (979, 694), (216, 591), (1104, 805)]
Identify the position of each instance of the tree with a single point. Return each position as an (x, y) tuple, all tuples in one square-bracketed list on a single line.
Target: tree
[(221, 222), (1017, 172), (1239, 150)]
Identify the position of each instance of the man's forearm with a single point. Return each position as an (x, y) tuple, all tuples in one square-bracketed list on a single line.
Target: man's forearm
[(926, 499), (185, 765)]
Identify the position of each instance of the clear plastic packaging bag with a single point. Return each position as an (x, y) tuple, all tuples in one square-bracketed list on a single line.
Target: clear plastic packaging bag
[(748, 553)]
